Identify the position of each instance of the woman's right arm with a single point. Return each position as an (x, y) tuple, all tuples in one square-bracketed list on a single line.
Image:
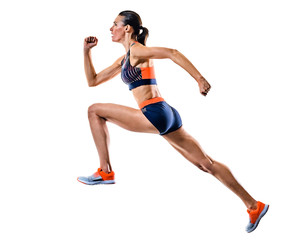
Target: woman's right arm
[(93, 78)]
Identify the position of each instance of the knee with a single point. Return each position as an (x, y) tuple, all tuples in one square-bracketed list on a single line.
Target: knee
[(92, 110), (95, 110), (205, 165)]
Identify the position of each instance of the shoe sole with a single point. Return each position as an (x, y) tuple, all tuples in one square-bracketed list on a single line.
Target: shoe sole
[(97, 183), (264, 211)]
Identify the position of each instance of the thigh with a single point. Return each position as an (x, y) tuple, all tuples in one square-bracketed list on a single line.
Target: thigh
[(187, 146), (125, 117)]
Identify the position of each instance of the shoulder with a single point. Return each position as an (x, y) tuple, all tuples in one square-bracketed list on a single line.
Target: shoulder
[(136, 48), (140, 51)]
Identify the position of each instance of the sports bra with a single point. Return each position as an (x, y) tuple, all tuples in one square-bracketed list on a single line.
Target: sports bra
[(134, 76)]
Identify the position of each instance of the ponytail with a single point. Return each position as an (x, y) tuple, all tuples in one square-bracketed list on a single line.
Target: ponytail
[(142, 37)]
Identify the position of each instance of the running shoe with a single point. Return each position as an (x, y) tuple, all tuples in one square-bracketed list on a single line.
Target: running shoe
[(98, 177), (256, 215)]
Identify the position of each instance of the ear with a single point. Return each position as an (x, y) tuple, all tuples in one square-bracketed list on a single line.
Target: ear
[(127, 28)]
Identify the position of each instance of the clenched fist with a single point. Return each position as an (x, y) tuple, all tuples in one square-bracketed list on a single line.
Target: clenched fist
[(204, 87), (90, 42)]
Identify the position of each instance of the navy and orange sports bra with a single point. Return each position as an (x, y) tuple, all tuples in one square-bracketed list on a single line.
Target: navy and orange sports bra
[(134, 76)]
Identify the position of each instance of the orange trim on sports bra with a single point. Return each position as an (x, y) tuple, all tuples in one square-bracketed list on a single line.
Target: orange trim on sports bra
[(147, 72)]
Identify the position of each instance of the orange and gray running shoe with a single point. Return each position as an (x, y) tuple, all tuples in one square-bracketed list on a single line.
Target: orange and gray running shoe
[(256, 215), (98, 177)]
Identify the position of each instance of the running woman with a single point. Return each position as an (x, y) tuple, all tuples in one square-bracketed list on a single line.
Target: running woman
[(154, 115)]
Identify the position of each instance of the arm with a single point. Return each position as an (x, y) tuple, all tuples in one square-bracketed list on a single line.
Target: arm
[(142, 52), (94, 79)]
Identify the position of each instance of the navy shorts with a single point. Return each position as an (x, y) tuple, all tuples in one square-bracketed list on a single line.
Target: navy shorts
[(164, 117)]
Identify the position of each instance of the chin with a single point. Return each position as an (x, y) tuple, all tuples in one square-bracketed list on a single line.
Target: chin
[(118, 40)]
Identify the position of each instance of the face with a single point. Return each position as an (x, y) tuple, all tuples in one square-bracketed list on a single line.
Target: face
[(118, 29)]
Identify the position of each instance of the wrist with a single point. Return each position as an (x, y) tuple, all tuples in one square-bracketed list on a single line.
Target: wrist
[(86, 50), (200, 79)]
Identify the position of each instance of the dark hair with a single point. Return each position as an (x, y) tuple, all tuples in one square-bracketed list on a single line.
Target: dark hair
[(134, 20)]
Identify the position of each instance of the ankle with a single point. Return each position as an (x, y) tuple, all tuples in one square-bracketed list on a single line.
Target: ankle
[(105, 170), (253, 205)]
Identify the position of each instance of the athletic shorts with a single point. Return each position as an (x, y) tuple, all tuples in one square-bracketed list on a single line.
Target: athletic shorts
[(165, 118)]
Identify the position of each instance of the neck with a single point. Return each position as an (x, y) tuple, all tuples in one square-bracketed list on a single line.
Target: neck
[(127, 42)]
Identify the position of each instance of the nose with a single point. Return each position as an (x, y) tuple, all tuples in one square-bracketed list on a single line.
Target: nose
[(111, 28)]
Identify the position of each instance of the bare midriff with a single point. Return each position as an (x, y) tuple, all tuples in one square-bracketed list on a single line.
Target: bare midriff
[(145, 92)]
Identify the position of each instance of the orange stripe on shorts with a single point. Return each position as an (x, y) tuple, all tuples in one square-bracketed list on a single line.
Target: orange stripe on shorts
[(150, 101)]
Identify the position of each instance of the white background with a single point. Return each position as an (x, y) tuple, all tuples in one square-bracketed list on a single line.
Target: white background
[(250, 52)]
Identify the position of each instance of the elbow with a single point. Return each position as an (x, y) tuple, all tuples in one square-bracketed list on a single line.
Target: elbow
[(174, 53), (92, 82)]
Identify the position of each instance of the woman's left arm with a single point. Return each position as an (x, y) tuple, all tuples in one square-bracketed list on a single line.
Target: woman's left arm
[(142, 52)]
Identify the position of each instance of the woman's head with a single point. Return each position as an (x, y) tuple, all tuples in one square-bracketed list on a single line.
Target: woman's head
[(133, 23)]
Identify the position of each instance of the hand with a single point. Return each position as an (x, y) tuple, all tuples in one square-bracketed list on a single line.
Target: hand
[(90, 42), (204, 87)]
